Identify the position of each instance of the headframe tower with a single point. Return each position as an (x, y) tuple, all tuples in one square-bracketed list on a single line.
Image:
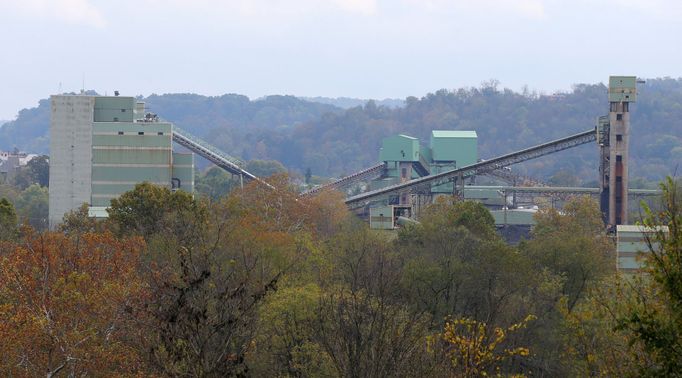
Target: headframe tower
[(614, 139)]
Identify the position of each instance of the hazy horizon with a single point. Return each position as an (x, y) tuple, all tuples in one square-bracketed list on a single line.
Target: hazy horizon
[(335, 48)]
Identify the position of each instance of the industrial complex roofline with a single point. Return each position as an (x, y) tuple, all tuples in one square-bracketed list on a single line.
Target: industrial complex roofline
[(424, 184)]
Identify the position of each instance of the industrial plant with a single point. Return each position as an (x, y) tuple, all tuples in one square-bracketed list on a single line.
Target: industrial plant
[(102, 146)]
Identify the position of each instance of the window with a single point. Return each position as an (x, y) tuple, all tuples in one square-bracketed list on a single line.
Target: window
[(123, 110), (619, 158), (140, 133), (619, 137), (120, 133), (159, 133), (115, 119), (619, 117)]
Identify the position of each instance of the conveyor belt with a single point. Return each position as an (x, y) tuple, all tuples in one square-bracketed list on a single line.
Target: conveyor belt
[(424, 184), (213, 154)]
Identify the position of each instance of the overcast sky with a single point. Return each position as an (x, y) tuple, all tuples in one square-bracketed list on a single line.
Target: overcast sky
[(354, 48)]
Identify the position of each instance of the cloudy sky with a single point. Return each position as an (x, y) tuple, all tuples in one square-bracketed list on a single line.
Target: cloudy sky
[(355, 48)]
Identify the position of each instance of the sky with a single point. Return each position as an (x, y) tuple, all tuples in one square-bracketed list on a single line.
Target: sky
[(353, 48)]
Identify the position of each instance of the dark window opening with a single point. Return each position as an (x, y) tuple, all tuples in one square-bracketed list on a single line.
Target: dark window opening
[(619, 158), (123, 110), (140, 133), (619, 117), (619, 179), (160, 133), (115, 119), (619, 137), (120, 133)]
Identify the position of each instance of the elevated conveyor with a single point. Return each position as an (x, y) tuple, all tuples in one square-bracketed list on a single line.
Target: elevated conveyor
[(423, 185), (344, 182), (212, 154)]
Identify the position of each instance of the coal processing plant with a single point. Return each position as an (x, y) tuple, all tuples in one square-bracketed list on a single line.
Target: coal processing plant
[(101, 146)]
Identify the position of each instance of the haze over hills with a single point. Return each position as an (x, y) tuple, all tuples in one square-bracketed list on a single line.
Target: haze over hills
[(347, 102), (332, 141)]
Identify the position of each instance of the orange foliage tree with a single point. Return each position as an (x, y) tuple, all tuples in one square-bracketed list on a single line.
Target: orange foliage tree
[(66, 305)]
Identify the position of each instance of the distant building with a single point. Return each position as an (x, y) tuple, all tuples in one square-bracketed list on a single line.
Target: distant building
[(102, 146), (632, 247), (11, 162)]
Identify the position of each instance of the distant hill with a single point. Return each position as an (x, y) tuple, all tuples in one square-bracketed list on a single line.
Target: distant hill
[(347, 102), (200, 114), (332, 141)]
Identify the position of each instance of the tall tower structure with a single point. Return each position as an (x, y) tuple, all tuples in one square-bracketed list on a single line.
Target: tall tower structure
[(102, 146), (613, 137)]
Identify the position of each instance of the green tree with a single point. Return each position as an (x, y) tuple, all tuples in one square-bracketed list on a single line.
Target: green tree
[(215, 183), (8, 220), (457, 265), (656, 323), (149, 210), (572, 244), (32, 206), (264, 168), (39, 168)]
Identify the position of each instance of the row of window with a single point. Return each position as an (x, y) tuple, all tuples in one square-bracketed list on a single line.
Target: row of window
[(141, 133)]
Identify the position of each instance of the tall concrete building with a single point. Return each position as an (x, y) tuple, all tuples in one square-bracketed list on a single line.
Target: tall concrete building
[(102, 146), (614, 140)]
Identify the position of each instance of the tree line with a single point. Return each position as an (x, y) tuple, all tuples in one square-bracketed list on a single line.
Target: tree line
[(263, 283), (330, 141)]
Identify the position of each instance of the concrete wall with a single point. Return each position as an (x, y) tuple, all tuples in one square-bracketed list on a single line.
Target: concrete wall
[(70, 154)]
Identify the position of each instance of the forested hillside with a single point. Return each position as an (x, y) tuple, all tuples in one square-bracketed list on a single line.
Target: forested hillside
[(347, 102), (331, 141)]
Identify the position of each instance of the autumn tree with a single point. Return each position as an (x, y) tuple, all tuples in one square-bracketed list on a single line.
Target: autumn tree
[(208, 287), (66, 306), (471, 349)]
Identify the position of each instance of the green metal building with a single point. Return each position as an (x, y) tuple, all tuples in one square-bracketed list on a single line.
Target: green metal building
[(632, 246), (103, 146)]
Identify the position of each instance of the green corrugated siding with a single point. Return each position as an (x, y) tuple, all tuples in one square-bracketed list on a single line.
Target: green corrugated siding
[(632, 247), (381, 218), (136, 174), (132, 127), (399, 148), (132, 140), (183, 159), (462, 150), (104, 202), (622, 88), (112, 109), (131, 156), (628, 263), (114, 189)]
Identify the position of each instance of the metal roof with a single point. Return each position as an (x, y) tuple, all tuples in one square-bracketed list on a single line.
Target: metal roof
[(454, 134), (639, 228)]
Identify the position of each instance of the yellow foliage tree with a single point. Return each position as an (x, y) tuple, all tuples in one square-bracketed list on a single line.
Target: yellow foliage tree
[(473, 350)]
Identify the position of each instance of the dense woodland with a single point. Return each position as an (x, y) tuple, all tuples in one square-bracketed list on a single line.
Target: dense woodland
[(260, 283), (331, 141)]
